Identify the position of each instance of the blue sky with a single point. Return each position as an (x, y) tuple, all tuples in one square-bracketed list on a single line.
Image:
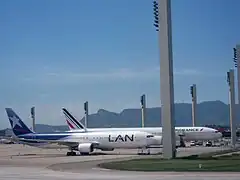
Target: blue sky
[(61, 53)]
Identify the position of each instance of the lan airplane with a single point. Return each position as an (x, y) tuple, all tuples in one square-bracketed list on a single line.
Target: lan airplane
[(187, 133), (86, 142)]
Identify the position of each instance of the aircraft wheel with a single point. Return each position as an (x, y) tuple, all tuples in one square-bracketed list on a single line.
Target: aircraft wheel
[(148, 151), (72, 153)]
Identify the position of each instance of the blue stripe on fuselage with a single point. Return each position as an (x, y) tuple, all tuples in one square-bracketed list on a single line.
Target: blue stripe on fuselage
[(44, 136)]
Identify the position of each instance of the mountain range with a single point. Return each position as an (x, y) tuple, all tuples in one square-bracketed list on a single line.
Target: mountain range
[(208, 112)]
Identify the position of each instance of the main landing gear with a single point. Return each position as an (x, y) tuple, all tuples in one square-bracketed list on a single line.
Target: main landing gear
[(147, 151), (71, 153)]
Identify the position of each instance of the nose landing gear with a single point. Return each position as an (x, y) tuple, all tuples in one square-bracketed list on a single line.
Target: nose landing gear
[(147, 151)]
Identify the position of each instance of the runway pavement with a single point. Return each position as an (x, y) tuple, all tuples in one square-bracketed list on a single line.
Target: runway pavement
[(18, 162)]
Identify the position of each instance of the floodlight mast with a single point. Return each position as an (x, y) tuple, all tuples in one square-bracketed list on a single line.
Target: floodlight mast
[(162, 22)]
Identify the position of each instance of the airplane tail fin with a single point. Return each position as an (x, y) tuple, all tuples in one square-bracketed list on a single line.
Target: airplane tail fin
[(72, 122), (18, 126)]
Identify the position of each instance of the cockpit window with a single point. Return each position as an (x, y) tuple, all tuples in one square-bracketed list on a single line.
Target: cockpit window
[(217, 131), (150, 136)]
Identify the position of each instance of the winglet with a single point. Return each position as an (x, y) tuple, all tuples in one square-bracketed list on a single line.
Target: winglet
[(72, 122)]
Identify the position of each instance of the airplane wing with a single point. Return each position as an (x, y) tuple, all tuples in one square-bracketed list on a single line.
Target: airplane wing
[(60, 142)]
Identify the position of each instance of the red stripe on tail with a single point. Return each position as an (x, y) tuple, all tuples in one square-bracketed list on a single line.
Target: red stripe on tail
[(69, 124)]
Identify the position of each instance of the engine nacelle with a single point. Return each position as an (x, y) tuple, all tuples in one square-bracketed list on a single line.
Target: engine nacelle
[(85, 148)]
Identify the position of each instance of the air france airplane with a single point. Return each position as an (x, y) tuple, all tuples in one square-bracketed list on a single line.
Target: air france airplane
[(187, 133), (86, 142)]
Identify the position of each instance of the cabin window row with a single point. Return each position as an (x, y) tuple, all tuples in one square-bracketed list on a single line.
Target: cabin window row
[(187, 130), (94, 138)]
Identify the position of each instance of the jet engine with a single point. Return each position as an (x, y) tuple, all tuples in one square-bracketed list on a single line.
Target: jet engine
[(85, 148)]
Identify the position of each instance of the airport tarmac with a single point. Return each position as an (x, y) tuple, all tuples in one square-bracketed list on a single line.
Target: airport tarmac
[(19, 162)]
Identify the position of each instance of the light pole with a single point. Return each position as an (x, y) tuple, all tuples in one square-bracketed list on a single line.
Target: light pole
[(230, 80), (236, 58), (193, 91), (162, 22), (33, 119), (143, 109), (86, 113)]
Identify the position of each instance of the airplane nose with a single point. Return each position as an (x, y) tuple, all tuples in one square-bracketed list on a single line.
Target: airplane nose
[(220, 135)]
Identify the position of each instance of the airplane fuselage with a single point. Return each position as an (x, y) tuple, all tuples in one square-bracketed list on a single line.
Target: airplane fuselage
[(100, 140), (188, 133)]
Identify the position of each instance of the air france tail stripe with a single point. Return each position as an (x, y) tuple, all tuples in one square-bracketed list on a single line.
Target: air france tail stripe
[(68, 118), (70, 125), (72, 119)]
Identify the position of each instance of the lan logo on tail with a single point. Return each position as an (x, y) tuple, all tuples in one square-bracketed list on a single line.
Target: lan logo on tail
[(15, 121)]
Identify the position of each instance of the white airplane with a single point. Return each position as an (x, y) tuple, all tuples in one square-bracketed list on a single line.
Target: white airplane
[(85, 142), (187, 133)]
